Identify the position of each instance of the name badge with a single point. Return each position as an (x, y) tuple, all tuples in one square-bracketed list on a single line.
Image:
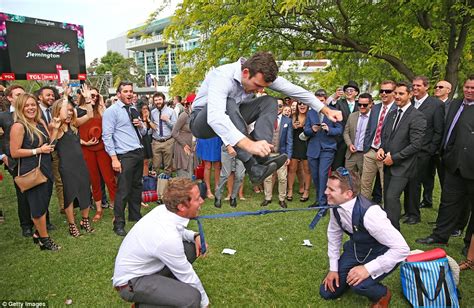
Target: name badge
[(286, 125)]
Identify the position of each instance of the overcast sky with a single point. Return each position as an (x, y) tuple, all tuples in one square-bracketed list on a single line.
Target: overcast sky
[(102, 19)]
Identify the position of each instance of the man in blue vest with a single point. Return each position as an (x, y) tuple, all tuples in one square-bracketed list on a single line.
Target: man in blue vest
[(374, 249)]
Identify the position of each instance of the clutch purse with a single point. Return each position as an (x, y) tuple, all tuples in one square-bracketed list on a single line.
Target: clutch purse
[(30, 179)]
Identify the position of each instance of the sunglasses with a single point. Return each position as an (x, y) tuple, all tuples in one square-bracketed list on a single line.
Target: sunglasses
[(93, 95), (349, 90), (363, 105), (439, 87), (300, 104), (385, 91), (345, 173)]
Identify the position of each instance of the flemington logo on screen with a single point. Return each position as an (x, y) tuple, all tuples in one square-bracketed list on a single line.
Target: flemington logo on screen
[(51, 50)]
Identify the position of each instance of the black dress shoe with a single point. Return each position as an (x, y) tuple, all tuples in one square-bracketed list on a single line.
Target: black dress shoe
[(425, 205), (233, 202), (279, 160), (430, 240), (283, 204), (265, 202), (27, 232), (412, 221), (50, 227), (217, 203), (258, 173), (120, 231)]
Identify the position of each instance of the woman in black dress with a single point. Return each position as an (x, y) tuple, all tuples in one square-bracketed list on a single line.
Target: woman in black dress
[(144, 110), (72, 167), (29, 140), (299, 155)]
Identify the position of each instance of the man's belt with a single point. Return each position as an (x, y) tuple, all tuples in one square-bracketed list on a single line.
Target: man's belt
[(161, 139)]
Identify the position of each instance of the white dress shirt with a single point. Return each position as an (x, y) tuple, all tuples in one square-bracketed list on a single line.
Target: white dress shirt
[(226, 82), (420, 101), (154, 242), (379, 227), (404, 109)]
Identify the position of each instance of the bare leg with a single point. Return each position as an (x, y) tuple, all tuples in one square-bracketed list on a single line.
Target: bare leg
[(300, 174), (291, 177), (207, 178), (145, 167), (307, 179), (40, 225)]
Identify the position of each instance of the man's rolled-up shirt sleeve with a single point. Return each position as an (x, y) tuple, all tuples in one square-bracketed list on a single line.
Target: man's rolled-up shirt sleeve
[(174, 258), (335, 234), (284, 86), (217, 118), (381, 229)]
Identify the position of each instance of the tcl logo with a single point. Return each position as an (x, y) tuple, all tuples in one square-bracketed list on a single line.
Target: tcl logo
[(7, 76)]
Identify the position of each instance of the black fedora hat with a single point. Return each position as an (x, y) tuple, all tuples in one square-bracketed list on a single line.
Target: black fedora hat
[(351, 84)]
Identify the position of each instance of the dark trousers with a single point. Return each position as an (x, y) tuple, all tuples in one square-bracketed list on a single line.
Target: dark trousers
[(393, 188), (340, 156), (453, 195), (424, 174), (377, 191), (163, 289), (371, 288), (262, 110), (470, 229), (24, 214), (319, 168), (129, 187), (428, 185)]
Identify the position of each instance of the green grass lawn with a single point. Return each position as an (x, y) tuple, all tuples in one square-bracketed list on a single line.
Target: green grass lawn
[(270, 268)]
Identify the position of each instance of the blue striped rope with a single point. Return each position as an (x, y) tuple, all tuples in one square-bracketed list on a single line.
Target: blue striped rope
[(312, 225)]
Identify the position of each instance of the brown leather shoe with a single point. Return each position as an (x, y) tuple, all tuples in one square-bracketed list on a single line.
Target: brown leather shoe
[(383, 302)]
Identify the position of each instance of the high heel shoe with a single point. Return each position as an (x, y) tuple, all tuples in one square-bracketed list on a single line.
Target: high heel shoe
[(86, 225), (74, 231), (46, 243), (36, 237), (304, 199)]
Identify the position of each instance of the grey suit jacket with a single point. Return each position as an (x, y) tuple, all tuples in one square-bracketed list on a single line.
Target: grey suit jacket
[(404, 142), (350, 131)]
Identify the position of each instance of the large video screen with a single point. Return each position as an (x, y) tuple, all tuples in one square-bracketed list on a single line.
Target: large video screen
[(32, 48)]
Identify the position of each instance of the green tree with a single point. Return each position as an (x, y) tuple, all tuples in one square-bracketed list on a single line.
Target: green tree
[(121, 68), (366, 40)]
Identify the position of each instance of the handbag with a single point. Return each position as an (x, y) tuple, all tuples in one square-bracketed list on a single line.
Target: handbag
[(429, 283), (199, 171), (149, 183), (30, 179), (162, 184), (149, 196)]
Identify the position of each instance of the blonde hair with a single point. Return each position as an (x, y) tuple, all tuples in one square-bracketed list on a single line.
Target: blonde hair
[(19, 116), (56, 110)]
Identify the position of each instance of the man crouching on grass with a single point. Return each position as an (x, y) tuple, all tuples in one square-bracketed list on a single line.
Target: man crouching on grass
[(153, 266), (374, 249)]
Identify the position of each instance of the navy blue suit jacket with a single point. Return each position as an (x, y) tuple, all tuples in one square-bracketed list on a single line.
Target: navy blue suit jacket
[(286, 136), (322, 140), (372, 125)]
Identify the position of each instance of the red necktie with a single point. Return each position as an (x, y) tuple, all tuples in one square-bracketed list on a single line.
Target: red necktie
[(378, 132), (275, 124)]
